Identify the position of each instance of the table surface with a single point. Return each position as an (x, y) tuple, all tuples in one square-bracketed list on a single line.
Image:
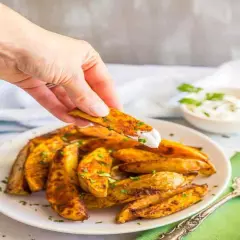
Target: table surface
[(18, 231)]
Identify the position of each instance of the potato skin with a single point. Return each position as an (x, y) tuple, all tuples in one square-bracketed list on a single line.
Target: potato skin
[(94, 171), (174, 204), (131, 189), (62, 191), (17, 184), (178, 165), (116, 120), (38, 162), (126, 214)]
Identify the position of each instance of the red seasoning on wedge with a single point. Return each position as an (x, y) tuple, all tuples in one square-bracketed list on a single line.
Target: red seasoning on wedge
[(124, 124)]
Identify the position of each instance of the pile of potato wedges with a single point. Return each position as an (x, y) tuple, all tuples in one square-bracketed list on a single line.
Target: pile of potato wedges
[(96, 167)]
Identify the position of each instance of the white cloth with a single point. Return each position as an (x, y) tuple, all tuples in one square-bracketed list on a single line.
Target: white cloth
[(144, 91)]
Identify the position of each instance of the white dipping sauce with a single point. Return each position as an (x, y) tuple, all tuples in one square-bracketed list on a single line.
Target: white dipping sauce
[(151, 139), (226, 109)]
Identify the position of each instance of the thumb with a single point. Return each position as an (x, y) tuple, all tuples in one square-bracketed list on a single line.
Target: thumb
[(84, 97)]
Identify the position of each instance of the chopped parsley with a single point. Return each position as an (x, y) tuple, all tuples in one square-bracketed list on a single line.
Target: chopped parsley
[(4, 181), (135, 178), (184, 195), (185, 87), (109, 128), (0, 189), (206, 114), (213, 194), (225, 136), (142, 140), (42, 162), (140, 123), (124, 191), (111, 180), (103, 174), (64, 139), (171, 134), (44, 154), (154, 172), (80, 142), (126, 139), (110, 150), (92, 180), (98, 222), (50, 218), (46, 205), (214, 96), (102, 163), (105, 119), (58, 220), (100, 155), (85, 170), (190, 101), (138, 223)]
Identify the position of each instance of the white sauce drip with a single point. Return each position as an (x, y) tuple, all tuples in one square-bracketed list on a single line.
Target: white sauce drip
[(226, 109), (151, 139)]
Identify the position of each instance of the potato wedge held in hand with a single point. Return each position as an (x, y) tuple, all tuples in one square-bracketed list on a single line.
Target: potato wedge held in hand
[(62, 192), (127, 213), (38, 161), (94, 172), (174, 204), (17, 184), (116, 120), (178, 165)]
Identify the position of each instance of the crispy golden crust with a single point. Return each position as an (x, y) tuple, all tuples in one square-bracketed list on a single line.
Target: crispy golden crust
[(116, 120), (173, 204), (62, 192), (17, 184), (179, 165), (38, 161), (94, 171)]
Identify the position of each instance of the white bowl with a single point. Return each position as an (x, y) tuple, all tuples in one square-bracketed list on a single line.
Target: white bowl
[(213, 125)]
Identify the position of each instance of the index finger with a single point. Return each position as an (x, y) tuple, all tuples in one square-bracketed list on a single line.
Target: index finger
[(99, 79)]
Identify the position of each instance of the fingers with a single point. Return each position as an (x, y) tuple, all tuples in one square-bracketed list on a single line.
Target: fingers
[(49, 101), (63, 97), (84, 97), (99, 79)]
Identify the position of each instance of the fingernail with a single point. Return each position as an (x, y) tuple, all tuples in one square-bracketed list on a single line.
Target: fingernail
[(99, 109)]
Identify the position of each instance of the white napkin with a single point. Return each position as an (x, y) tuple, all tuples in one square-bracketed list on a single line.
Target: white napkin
[(151, 96)]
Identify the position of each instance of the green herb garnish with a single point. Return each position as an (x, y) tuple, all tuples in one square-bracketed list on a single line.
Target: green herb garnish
[(111, 180), (80, 142), (4, 181), (92, 180), (64, 139), (135, 178), (206, 114), (140, 123), (138, 223), (109, 128), (142, 140), (85, 170), (100, 155), (215, 96), (102, 163), (126, 139), (58, 220), (154, 172), (44, 154), (24, 203), (98, 222), (124, 191), (184, 195), (105, 119), (42, 162), (190, 101), (103, 174), (185, 87), (0, 189)]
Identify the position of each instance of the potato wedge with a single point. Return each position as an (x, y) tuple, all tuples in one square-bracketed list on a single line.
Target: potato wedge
[(116, 120), (173, 204), (125, 193), (130, 189), (94, 172), (129, 155), (17, 184), (126, 214), (37, 163), (62, 192), (117, 174), (178, 165), (170, 148)]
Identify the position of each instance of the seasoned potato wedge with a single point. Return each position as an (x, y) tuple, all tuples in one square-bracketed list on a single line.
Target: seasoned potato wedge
[(126, 214), (129, 190), (62, 192), (174, 204), (129, 155), (17, 184), (174, 149), (37, 163), (94, 172), (178, 165), (116, 120)]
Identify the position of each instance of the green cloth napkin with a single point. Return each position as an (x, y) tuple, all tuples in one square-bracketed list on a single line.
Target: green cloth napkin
[(221, 225)]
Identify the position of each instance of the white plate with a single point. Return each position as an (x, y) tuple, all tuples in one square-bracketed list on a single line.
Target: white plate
[(10, 205)]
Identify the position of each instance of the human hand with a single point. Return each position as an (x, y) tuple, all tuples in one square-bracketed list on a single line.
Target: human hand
[(32, 57)]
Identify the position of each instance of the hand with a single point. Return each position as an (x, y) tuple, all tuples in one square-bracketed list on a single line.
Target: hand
[(32, 57)]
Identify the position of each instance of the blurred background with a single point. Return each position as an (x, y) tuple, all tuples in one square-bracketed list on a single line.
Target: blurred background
[(166, 32)]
